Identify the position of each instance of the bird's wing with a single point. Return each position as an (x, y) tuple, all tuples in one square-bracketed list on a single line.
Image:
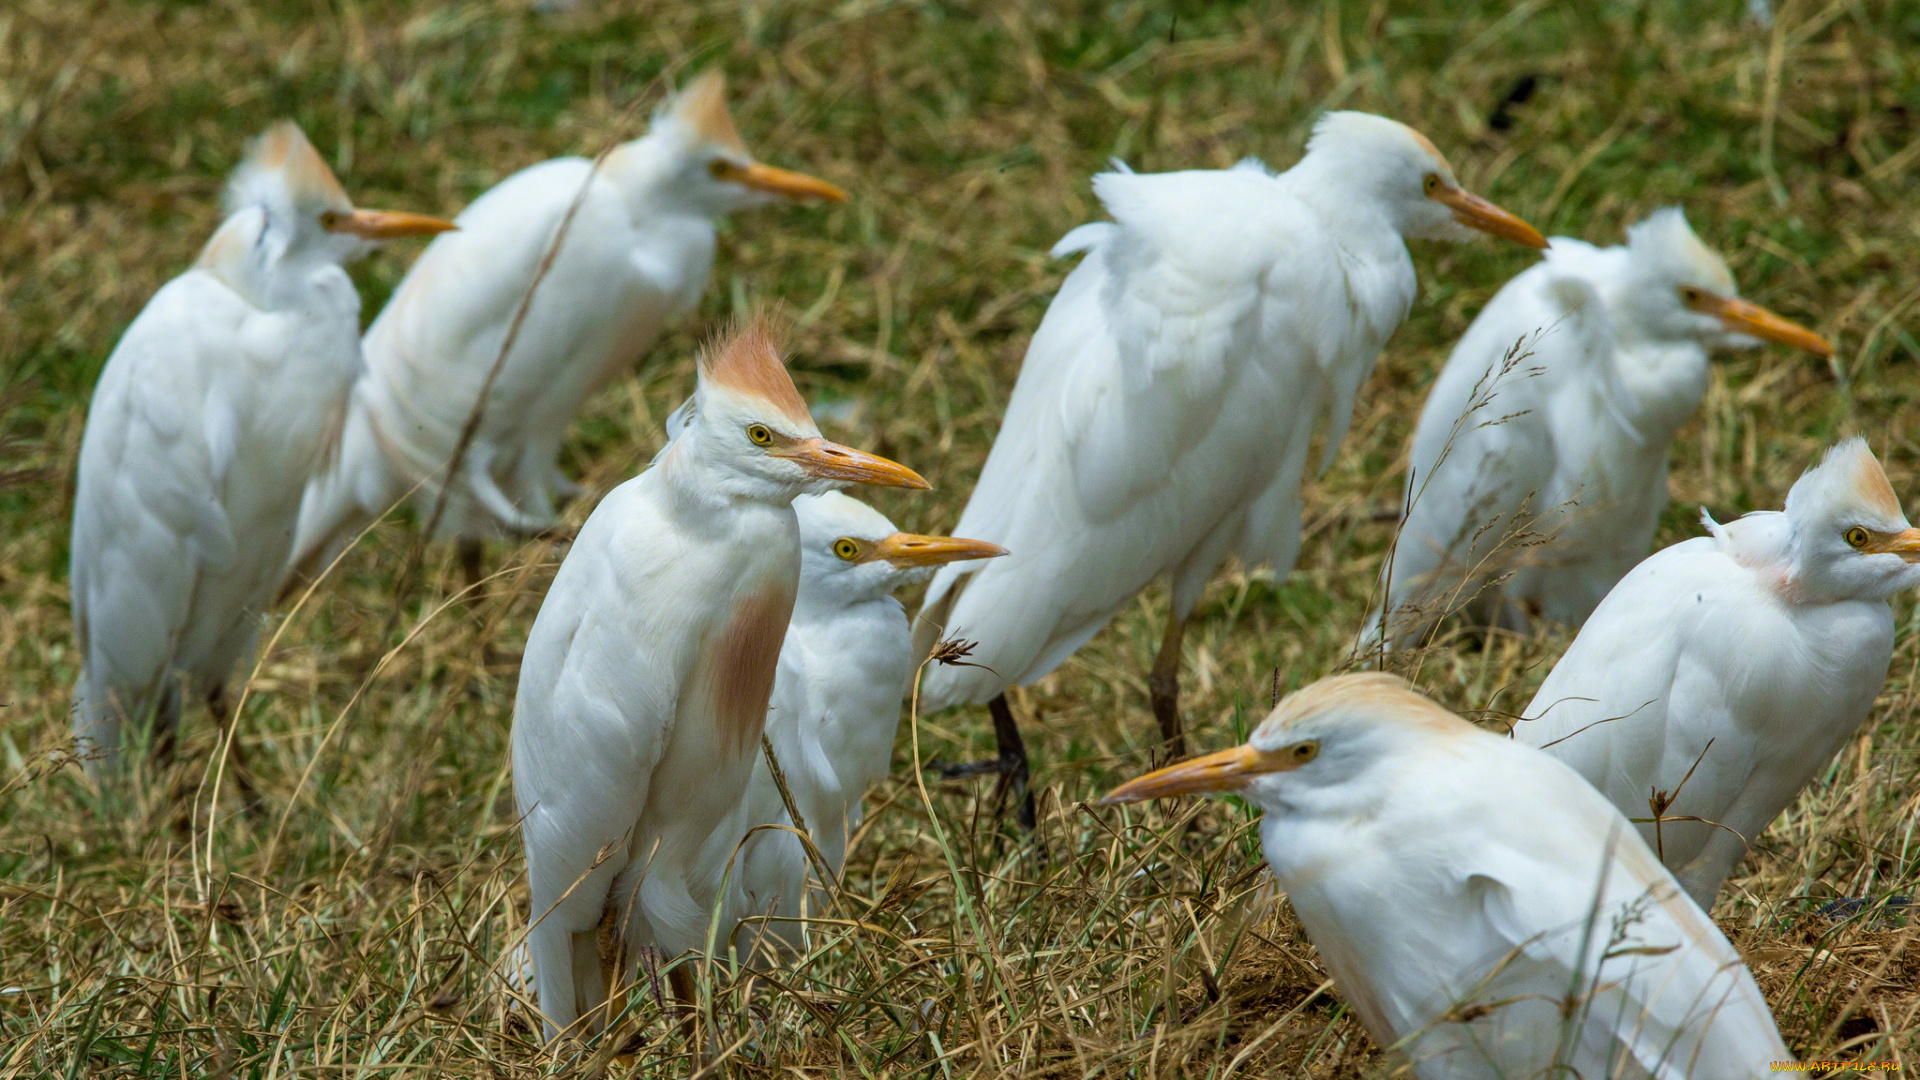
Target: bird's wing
[(1183, 297), (1571, 943), (149, 519)]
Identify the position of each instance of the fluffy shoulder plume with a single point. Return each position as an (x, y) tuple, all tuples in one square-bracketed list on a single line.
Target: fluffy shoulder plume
[(747, 362), (702, 107), (283, 158), (1364, 698)]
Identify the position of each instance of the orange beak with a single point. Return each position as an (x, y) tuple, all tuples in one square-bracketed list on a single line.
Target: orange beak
[(1905, 544), (389, 224), (1742, 317), (1477, 213), (785, 182), (1224, 770), (905, 550), (831, 461)]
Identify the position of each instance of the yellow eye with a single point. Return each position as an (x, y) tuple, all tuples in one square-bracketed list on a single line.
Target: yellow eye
[(1857, 537), (847, 548), (722, 169), (760, 434), (1301, 753), (1431, 184), (330, 220)]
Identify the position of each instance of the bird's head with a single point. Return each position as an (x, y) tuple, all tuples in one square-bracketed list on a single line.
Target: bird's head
[(850, 552), (1409, 177), (712, 170), (750, 426), (284, 206), (1322, 748), (1850, 539), (1679, 289)]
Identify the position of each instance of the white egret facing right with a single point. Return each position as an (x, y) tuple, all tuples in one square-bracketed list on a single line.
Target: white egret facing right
[(213, 409), (635, 259), (1541, 455), (1726, 671), (1165, 407), (1483, 910)]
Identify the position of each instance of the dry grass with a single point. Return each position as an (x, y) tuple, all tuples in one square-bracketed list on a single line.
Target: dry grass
[(353, 932)]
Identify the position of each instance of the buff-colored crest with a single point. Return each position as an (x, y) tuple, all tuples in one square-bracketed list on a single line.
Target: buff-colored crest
[(702, 106), (747, 362), (284, 149), (1370, 695), (1427, 145), (1870, 484)]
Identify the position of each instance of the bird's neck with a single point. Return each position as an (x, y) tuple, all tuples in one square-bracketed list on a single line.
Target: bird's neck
[(647, 172)]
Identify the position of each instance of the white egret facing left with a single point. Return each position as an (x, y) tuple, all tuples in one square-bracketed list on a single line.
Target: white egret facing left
[(1484, 911)]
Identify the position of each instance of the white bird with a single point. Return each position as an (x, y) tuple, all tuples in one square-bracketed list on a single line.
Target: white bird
[(644, 687), (1541, 454), (1163, 413), (635, 259), (1484, 912), (835, 708), (1727, 670), (210, 414)]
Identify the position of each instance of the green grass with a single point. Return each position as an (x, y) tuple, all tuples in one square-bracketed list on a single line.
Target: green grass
[(354, 933)]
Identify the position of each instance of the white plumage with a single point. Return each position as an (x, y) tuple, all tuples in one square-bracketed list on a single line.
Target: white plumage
[(212, 410), (1770, 639), (635, 259), (1163, 414), (1476, 902), (836, 699), (646, 677), (1541, 455)]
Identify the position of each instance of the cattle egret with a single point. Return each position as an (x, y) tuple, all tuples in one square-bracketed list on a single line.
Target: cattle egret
[(1746, 658), (836, 700), (635, 259), (1548, 461), (210, 414), (646, 677), (1482, 910), (1163, 414)]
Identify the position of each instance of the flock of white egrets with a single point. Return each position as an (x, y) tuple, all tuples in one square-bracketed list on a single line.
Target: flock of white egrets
[(720, 651)]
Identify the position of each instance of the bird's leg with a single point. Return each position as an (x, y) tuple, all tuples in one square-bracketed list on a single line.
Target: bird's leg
[(686, 996), (1013, 758), (1163, 687), (472, 552), (250, 800), (1010, 763)]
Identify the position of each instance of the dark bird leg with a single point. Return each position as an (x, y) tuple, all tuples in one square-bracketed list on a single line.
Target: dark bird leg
[(1163, 686), (242, 773), (472, 552), (1011, 762)]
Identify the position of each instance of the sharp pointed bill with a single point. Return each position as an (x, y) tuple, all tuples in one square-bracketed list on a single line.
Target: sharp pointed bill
[(907, 550), (1477, 213), (387, 224), (831, 461), (1743, 317)]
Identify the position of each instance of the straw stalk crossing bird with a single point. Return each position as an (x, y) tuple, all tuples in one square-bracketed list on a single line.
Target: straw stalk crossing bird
[(218, 402), (1541, 454), (1485, 912), (1724, 672), (645, 683), (635, 258), (1163, 414)]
